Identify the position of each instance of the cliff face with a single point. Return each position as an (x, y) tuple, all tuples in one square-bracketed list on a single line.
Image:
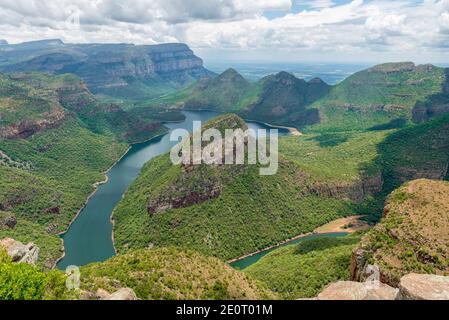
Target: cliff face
[(107, 66), (412, 236)]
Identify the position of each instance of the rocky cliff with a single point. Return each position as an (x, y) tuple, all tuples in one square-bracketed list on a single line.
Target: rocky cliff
[(107, 66), (412, 237)]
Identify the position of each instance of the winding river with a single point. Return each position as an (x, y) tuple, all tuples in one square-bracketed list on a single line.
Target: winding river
[(89, 238)]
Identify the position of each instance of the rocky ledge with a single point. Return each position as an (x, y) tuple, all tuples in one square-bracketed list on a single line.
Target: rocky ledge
[(19, 252), (411, 287)]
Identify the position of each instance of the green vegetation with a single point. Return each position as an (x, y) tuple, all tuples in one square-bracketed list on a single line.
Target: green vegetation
[(26, 231), (383, 97), (19, 281), (339, 157), (172, 274), (229, 211), (56, 142), (412, 236), (304, 270)]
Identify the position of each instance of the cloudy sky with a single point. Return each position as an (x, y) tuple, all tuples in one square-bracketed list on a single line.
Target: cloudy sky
[(277, 30)]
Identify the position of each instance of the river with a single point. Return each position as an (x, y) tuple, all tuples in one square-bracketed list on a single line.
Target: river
[(89, 238)]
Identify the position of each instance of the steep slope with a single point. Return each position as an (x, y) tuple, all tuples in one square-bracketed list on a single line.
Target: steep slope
[(222, 93), (283, 99), (382, 97), (104, 118), (278, 99), (48, 163), (413, 235), (117, 70), (172, 274), (229, 211), (418, 151)]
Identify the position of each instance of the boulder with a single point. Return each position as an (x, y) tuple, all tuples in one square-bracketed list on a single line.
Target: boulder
[(424, 287), (380, 291), (19, 252), (122, 294), (347, 290), (344, 290)]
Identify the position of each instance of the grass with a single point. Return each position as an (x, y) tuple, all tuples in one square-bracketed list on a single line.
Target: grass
[(304, 270), (26, 231), (172, 274), (250, 212)]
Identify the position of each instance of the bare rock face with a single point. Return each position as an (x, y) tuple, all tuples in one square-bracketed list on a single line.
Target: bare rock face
[(19, 252), (424, 287), (344, 290), (122, 294), (347, 290)]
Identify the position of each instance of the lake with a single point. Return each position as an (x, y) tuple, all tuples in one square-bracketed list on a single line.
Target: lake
[(89, 238)]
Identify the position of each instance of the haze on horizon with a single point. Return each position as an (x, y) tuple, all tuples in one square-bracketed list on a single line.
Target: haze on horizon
[(246, 30)]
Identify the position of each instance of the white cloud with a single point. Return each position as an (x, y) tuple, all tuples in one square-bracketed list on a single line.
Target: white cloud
[(361, 27), (317, 3)]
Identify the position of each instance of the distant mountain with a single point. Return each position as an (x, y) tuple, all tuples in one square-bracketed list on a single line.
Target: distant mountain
[(3, 42), (122, 71), (283, 98), (386, 96), (277, 99)]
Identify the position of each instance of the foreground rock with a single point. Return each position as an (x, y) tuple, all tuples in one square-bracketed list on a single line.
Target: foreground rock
[(412, 287), (122, 294), (424, 287), (347, 290), (19, 252)]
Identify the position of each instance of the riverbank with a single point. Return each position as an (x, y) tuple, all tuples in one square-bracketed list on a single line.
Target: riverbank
[(344, 225)]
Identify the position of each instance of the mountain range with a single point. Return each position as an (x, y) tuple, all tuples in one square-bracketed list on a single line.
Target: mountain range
[(121, 71), (385, 96), (68, 112)]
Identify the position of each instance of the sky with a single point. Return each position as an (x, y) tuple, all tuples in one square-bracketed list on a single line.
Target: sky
[(245, 30)]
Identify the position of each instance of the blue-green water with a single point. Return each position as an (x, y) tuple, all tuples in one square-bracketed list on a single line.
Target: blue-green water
[(89, 238), (246, 262)]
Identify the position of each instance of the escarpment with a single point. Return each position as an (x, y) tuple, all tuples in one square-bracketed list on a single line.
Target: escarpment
[(412, 236)]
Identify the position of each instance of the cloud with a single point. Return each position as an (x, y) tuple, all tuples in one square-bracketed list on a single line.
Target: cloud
[(322, 26), (317, 4)]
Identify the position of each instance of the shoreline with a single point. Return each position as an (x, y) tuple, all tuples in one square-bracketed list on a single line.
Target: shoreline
[(335, 226), (293, 131), (96, 185)]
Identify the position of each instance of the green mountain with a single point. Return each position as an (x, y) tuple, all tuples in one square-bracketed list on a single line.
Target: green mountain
[(157, 274), (412, 236), (172, 274), (383, 97), (118, 71), (230, 211), (56, 141)]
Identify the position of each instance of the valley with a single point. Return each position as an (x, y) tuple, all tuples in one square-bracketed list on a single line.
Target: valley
[(85, 174)]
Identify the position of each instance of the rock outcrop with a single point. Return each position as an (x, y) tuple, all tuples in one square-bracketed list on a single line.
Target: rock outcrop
[(412, 236), (108, 66), (347, 290), (123, 294), (424, 287), (411, 287), (19, 252)]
